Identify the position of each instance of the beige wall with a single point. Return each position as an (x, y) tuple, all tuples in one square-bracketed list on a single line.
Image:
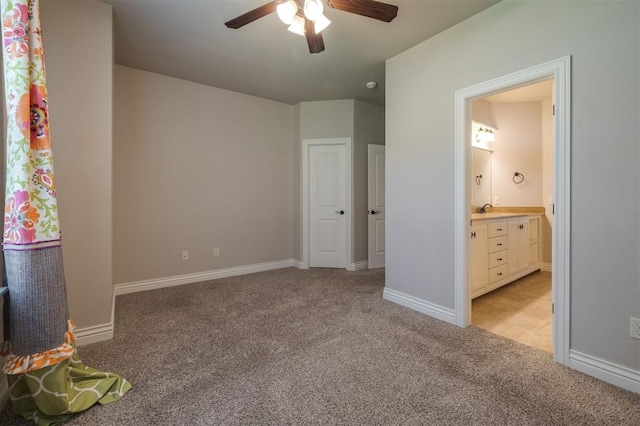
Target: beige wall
[(603, 40), (326, 119), (481, 112), (297, 183), (80, 71), (518, 148), (197, 168), (363, 123)]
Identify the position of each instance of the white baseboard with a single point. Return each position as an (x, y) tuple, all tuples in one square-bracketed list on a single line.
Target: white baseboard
[(358, 266), (299, 264), (545, 267), (609, 372), (98, 333), (134, 287), (423, 306)]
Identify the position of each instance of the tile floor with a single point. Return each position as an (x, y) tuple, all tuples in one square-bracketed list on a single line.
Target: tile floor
[(520, 311)]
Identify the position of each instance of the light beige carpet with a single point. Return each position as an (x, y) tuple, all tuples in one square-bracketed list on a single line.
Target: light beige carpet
[(322, 347)]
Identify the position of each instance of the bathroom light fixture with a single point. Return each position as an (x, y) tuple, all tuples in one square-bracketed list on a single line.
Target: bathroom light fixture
[(485, 135)]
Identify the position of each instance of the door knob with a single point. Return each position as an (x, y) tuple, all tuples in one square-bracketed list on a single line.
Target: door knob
[(340, 211), (375, 211)]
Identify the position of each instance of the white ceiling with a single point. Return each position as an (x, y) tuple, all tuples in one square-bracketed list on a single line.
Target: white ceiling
[(187, 39)]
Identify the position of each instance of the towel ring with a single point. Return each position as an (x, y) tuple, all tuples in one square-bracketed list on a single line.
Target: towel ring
[(518, 178), (478, 179)]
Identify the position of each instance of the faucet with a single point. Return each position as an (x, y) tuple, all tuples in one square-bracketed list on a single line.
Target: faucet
[(483, 209)]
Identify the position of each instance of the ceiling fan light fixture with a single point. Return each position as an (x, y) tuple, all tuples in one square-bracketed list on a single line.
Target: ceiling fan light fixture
[(313, 9), (297, 26), (287, 11), (321, 23)]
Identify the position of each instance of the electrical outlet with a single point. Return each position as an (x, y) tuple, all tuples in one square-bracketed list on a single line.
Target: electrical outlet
[(185, 255), (496, 200), (216, 252), (635, 328)]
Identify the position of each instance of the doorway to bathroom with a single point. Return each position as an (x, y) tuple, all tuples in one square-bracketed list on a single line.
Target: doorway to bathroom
[(512, 242), (512, 203)]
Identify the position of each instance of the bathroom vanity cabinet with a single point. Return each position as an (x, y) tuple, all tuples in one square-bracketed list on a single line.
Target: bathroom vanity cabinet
[(502, 248), (478, 277)]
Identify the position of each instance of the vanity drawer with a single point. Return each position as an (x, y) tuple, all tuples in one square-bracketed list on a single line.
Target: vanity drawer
[(496, 229), (496, 274), (498, 258), (497, 244)]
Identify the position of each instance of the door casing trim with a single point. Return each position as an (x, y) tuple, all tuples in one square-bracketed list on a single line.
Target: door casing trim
[(560, 71)]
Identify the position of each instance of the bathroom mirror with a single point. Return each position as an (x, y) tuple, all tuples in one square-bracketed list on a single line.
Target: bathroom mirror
[(480, 176)]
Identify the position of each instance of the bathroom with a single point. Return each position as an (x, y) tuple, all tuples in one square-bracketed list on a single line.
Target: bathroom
[(512, 177)]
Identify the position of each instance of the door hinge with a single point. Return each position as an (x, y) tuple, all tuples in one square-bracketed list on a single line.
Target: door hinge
[(553, 308), (554, 110), (553, 208)]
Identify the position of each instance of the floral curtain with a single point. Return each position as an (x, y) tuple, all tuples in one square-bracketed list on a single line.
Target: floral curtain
[(47, 381)]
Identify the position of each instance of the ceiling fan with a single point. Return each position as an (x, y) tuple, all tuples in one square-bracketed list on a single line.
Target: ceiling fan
[(305, 17)]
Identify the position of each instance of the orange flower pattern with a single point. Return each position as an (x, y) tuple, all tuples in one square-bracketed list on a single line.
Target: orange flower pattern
[(31, 214), (39, 119), (15, 30)]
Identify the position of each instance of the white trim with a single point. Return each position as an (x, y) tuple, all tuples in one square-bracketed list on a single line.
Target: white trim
[(561, 244), (304, 199), (604, 370), (423, 306), (298, 264), (152, 284), (545, 267), (98, 333), (358, 266), (560, 71)]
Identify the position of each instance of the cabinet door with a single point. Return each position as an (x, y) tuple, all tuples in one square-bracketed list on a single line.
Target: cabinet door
[(478, 276), (513, 238), (518, 245), (523, 246), (534, 241)]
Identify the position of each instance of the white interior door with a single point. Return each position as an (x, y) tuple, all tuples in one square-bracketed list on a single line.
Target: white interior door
[(376, 206), (327, 205)]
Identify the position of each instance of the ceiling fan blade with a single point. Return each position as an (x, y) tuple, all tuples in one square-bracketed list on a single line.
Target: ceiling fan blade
[(315, 41), (369, 8), (252, 15)]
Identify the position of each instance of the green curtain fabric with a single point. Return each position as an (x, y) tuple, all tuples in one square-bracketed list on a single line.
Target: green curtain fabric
[(50, 395), (47, 381)]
